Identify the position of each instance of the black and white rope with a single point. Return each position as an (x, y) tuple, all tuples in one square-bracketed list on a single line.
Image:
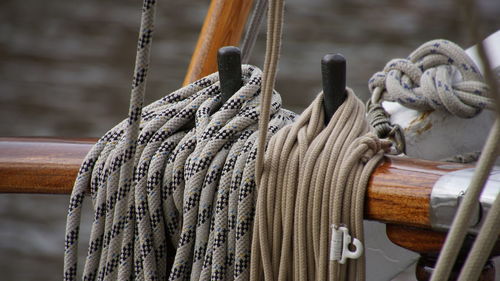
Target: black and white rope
[(192, 186), (157, 177)]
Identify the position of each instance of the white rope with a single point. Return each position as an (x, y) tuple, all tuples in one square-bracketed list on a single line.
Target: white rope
[(438, 75), (153, 178), (184, 181)]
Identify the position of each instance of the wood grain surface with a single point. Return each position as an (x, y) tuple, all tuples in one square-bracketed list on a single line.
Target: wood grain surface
[(398, 191), (41, 165), (223, 26)]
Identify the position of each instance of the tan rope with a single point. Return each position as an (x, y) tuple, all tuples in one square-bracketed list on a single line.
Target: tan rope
[(485, 241), (273, 47), (313, 177), (307, 181), (482, 248)]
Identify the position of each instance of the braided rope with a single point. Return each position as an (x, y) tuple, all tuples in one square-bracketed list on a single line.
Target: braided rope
[(124, 158), (438, 75), (153, 177), (184, 180), (313, 177)]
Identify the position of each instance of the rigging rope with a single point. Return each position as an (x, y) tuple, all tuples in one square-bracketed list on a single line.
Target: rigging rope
[(181, 176), (153, 177), (157, 176), (439, 75), (253, 30), (314, 183), (153, 173), (343, 152)]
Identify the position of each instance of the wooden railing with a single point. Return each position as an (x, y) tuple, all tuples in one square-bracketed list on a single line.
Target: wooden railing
[(398, 192)]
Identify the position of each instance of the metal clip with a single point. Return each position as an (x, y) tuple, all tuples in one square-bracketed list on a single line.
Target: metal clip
[(448, 193), (339, 247)]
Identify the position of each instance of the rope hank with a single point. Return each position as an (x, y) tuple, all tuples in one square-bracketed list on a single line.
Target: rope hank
[(193, 185), (158, 179), (439, 75), (314, 177)]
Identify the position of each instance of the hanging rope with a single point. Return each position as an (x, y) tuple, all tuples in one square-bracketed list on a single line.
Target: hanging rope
[(153, 177), (289, 220), (181, 176), (157, 178), (313, 184), (252, 32), (125, 162)]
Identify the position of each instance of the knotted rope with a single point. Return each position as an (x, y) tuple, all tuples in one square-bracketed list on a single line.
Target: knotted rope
[(438, 75)]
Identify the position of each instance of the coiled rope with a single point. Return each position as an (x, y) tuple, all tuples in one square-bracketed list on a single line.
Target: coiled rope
[(180, 175), (313, 183), (310, 179), (154, 178)]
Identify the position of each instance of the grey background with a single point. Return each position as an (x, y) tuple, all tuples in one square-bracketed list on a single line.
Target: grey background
[(66, 67)]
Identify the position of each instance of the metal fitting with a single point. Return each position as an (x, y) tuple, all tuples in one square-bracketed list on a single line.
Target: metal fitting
[(448, 193)]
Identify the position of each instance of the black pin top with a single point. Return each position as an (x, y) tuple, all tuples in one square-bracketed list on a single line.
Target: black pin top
[(333, 70), (229, 65)]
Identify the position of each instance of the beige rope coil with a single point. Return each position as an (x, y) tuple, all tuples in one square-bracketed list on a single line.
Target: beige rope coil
[(310, 177), (313, 182)]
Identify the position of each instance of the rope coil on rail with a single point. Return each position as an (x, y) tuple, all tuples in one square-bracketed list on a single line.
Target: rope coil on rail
[(157, 176), (314, 183), (181, 176)]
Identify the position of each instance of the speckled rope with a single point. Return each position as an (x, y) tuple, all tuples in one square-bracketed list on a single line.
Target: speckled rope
[(156, 176), (122, 165), (184, 180), (438, 75)]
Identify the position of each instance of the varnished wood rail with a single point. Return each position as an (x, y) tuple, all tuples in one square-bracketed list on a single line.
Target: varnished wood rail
[(223, 26), (398, 192)]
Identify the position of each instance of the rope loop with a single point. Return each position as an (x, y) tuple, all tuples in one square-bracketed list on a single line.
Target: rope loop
[(439, 75), (381, 124)]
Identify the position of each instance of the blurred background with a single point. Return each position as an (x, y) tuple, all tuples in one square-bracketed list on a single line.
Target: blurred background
[(66, 68)]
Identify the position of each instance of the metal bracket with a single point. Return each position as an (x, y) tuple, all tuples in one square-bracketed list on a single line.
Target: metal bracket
[(449, 191)]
